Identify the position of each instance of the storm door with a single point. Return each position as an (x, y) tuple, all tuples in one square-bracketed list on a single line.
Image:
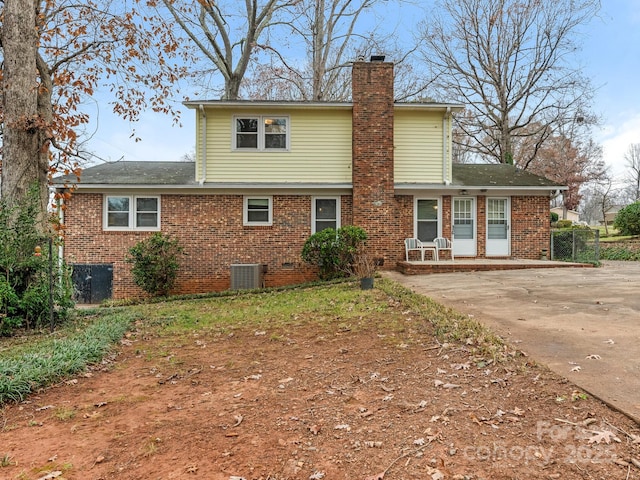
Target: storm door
[(464, 227), (498, 227)]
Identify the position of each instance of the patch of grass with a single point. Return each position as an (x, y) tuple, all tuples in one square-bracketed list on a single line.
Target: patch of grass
[(276, 309), (402, 316), (450, 326), (63, 413), (6, 460), (151, 447), (25, 367)]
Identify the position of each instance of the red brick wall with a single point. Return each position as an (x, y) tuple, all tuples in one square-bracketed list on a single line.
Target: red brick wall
[(210, 229), (530, 226), (481, 219), (375, 208)]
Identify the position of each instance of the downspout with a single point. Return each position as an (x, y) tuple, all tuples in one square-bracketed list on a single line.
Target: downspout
[(60, 203), (203, 139), (445, 144)]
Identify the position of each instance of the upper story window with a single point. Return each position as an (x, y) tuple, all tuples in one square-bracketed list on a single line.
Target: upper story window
[(257, 211), (325, 213), (261, 133), (131, 212)]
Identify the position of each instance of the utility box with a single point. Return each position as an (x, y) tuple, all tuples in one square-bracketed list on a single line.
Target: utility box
[(247, 276)]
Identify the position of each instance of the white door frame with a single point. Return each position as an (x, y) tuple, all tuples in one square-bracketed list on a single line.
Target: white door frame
[(465, 246), (499, 247)]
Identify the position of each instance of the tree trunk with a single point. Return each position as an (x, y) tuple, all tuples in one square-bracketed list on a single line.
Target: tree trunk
[(22, 143)]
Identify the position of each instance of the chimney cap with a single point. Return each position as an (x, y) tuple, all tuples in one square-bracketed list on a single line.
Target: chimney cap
[(377, 58)]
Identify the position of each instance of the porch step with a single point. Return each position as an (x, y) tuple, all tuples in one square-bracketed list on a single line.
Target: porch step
[(472, 265)]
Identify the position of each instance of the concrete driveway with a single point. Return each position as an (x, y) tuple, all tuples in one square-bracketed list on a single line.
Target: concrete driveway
[(564, 318)]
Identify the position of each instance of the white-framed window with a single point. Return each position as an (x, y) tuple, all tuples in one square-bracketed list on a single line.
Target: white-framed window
[(260, 132), (325, 213), (131, 212), (427, 219), (257, 210)]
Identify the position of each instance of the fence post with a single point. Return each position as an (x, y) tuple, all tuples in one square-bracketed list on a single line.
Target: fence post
[(573, 246), (597, 245), (552, 249)]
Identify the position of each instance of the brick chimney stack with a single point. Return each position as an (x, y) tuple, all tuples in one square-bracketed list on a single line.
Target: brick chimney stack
[(374, 207)]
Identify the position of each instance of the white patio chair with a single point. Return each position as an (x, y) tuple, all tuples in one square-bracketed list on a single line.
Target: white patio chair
[(442, 243), (413, 244)]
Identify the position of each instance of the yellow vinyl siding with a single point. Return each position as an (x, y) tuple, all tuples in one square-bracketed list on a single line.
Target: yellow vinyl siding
[(418, 146), (320, 148)]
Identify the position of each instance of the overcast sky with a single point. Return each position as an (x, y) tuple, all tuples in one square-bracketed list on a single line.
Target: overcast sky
[(611, 56)]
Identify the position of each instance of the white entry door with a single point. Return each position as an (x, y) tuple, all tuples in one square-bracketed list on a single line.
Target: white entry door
[(498, 228), (464, 227)]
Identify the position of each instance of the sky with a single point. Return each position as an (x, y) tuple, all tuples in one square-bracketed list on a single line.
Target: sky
[(610, 55)]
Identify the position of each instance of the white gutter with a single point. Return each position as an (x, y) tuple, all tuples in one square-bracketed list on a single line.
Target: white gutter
[(445, 156), (203, 154)]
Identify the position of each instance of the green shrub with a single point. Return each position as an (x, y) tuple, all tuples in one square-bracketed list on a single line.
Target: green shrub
[(25, 266), (333, 251), (627, 221), (155, 263), (554, 217), (618, 253), (564, 224)]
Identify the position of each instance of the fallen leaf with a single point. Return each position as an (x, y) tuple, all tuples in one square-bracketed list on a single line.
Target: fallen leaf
[(461, 366), (610, 342), (238, 419), (46, 407), (593, 357), (605, 435), (577, 368), (316, 476), (451, 385), (51, 475)]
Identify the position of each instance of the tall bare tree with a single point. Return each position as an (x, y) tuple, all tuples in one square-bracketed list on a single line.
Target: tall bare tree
[(512, 63), (56, 53), (632, 177), (226, 34), (332, 34), (599, 197)]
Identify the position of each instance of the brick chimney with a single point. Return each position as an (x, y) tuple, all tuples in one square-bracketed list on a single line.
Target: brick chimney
[(374, 207)]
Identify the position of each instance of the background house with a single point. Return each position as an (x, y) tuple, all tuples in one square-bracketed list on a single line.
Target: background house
[(267, 175), (571, 214)]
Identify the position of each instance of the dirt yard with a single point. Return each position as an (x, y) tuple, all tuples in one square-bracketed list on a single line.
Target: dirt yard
[(336, 400)]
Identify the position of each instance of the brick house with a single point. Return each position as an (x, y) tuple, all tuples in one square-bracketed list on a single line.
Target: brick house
[(269, 174)]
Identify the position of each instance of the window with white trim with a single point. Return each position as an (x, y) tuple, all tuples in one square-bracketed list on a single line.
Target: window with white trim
[(427, 219), (260, 133), (325, 213), (131, 212), (257, 211)]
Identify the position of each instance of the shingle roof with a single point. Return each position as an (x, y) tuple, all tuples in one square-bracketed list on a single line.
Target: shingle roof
[(496, 175), (183, 174), (135, 173)]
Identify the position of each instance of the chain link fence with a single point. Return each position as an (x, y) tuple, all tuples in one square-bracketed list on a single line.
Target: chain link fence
[(579, 245)]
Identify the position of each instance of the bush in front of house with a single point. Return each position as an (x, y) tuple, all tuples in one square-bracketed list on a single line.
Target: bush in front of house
[(333, 251), (155, 263), (627, 221), (554, 217), (28, 274)]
